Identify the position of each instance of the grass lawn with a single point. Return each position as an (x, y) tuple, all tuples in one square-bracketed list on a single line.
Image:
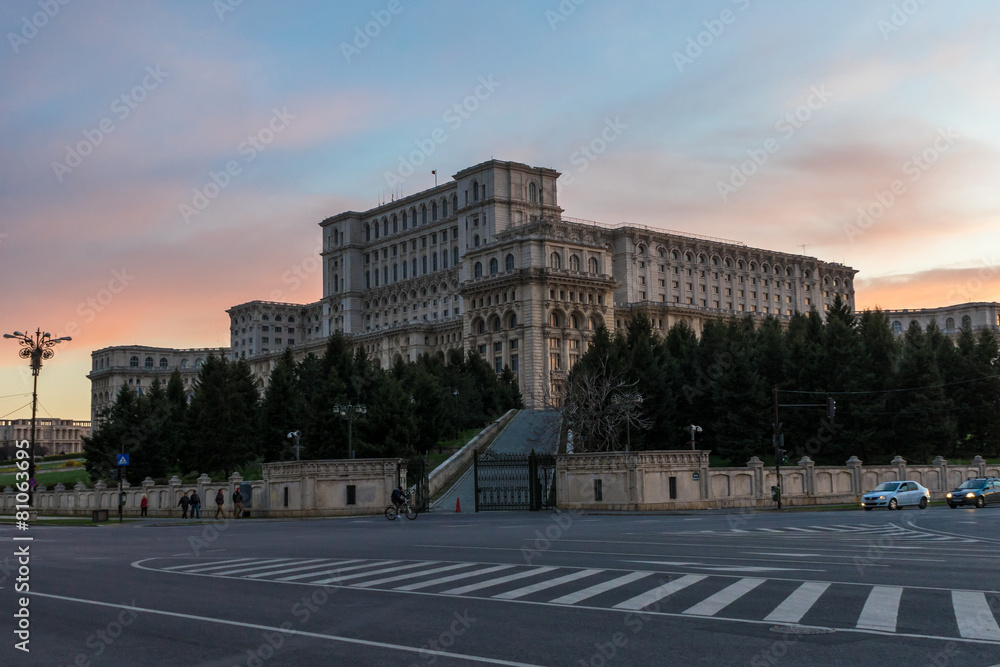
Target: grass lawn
[(65, 476)]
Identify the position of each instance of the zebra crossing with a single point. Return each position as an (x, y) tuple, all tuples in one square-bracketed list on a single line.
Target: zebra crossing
[(891, 531), (965, 614)]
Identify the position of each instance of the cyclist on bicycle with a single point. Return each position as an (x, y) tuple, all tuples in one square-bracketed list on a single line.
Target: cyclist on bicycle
[(398, 497)]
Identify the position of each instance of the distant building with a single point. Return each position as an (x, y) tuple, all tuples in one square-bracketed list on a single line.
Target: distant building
[(53, 436), (137, 366), (487, 262), (950, 319)]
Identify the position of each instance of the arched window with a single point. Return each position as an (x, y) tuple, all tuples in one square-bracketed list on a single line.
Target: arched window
[(555, 261), (368, 233), (184, 363), (423, 214), (593, 264), (478, 271), (591, 324), (395, 224), (574, 321), (509, 263), (375, 225), (513, 321), (434, 210), (264, 317), (385, 227), (444, 207), (134, 362), (482, 326), (494, 266), (532, 192), (574, 263), (277, 318), (949, 324), (454, 256), (454, 203), (674, 254), (336, 237), (475, 241), (475, 191), (966, 322), (897, 327), (404, 221), (554, 319), (496, 324), (163, 362)]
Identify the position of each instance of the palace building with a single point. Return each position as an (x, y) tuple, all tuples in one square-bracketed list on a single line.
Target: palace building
[(488, 262)]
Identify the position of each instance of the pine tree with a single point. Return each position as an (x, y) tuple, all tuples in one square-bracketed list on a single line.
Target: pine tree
[(281, 411)]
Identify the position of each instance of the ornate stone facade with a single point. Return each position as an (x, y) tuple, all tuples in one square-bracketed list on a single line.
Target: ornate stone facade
[(487, 262), (950, 319)]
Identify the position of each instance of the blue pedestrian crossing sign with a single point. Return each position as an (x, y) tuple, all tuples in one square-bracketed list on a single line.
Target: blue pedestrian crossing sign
[(122, 460)]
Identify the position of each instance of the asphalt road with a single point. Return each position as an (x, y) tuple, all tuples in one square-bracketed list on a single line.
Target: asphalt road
[(908, 588)]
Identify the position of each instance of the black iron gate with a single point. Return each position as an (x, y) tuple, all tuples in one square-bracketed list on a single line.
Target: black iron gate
[(412, 474), (514, 481)]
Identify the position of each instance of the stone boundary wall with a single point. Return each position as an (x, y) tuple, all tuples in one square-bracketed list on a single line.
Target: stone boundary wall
[(314, 488), (445, 473), (642, 481)]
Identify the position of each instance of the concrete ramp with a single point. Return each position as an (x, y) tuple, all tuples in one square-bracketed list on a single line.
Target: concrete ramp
[(529, 429)]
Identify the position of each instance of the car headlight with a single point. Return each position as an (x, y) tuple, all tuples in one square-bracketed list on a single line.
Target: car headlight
[(970, 495), (881, 497), (949, 495)]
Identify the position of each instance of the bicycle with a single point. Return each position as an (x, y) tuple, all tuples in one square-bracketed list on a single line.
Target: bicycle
[(391, 512)]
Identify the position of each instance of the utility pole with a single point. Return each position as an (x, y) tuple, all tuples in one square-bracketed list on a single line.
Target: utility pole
[(778, 450)]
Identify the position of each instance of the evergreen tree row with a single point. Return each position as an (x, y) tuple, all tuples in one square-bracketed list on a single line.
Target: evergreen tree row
[(227, 425), (918, 396)]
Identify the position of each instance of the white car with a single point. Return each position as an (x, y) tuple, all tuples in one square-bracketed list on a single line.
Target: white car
[(894, 495)]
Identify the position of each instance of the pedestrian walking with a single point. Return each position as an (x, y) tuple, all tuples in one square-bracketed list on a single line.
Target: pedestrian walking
[(220, 500), (237, 503), (143, 505), (195, 505), (185, 501)]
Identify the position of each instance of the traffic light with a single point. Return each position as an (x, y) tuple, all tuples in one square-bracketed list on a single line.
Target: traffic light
[(831, 408), (780, 456)]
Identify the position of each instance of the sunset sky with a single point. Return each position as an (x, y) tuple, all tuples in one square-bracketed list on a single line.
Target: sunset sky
[(865, 131)]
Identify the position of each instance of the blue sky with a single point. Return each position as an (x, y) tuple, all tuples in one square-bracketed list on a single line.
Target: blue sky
[(774, 123)]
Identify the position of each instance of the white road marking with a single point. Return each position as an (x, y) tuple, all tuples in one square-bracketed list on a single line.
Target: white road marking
[(975, 619), (660, 592), (339, 569), (461, 590), (385, 570), (881, 609), (209, 568), (544, 585), (796, 605), (713, 604), (411, 575), (728, 568), (314, 563), (422, 651), (218, 562), (454, 577), (597, 589)]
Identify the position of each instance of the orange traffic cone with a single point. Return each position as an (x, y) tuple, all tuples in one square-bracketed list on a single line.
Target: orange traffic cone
[(458, 504)]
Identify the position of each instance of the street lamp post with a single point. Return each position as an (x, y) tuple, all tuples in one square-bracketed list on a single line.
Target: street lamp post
[(454, 393), (350, 412), (694, 429), (295, 435), (36, 349)]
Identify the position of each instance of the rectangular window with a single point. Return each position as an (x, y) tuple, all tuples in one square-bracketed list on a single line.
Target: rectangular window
[(277, 329), (265, 340), (672, 482), (482, 350), (498, 347), (277, 341), (498, 365), (555, 361), (553, 343), (598, 490), (513, 344), (352, 494), (514, 362), (286, 496)]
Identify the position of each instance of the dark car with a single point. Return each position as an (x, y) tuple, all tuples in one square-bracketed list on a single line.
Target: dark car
[(980, 492)]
